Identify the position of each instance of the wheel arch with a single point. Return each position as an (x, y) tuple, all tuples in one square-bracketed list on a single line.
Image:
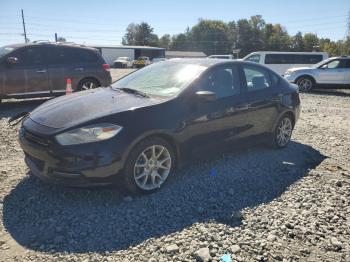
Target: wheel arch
[(307, 76), (289, 113), (87, 78), (160, 134)]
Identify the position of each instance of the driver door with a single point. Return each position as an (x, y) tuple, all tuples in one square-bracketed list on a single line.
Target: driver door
[(332, 73), (28, 74), (214, 123)]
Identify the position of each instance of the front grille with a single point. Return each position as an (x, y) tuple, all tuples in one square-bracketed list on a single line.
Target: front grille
[(37, 162), (36, 139)]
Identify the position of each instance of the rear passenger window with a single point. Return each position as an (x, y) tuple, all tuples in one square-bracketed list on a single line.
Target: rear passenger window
[(347, 63), (59, 56), (223, 81), (86, 56), (68, 55), (292, 58), (256, 78)]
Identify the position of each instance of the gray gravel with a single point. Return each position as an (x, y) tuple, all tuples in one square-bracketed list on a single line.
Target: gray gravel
[(263, 205)]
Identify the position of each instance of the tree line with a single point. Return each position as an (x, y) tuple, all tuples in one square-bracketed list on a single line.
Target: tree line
[(245, 35)]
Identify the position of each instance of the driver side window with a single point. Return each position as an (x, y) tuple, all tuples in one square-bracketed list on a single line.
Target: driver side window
[(223, 81), (333, 64)]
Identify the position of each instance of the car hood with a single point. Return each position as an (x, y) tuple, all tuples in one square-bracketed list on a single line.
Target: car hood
[(80, 107), (295, 69)]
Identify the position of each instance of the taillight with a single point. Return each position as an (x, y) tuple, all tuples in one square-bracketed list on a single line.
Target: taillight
[(106, 67)]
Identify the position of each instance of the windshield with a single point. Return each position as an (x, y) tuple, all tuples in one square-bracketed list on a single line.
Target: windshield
[(161, 79), (5, 50), (319, 64)]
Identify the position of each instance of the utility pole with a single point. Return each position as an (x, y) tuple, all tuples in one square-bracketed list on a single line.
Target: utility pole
[(55, 37), (24, 28)]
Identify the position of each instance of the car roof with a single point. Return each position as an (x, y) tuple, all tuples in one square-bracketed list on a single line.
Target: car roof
[(66, 44)]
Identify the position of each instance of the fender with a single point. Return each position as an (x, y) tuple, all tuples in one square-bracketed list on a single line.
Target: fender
[(306, 74), (283, 113), (160, 133)]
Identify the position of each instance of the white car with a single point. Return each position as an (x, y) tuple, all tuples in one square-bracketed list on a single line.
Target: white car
[(332, 72), (122, 62), (281, 61)]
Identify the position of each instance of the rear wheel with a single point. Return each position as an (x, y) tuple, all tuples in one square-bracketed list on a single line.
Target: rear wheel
[(149, 165), (88, 83), (305, 84), (283, 132)]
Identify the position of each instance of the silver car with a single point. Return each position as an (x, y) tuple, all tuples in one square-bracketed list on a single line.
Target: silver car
[(332, 72)]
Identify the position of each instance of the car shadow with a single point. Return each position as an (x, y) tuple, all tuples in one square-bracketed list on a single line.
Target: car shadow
[(331, 92), (11, 108), (51, 218)]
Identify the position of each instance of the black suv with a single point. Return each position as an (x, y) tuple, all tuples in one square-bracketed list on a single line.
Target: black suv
[(41, 69)]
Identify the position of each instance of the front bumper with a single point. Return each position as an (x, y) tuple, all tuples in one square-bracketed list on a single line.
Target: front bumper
[(83, 165)]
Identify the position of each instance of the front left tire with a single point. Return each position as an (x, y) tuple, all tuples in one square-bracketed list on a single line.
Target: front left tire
[(148, 166), (306, 84)]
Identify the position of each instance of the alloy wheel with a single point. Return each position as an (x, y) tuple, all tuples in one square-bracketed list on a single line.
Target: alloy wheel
[(305, 84), (284, 132), (152, 167), (88, 85)]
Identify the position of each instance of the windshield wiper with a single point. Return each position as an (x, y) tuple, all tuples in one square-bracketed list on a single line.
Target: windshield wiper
[(133, 91)]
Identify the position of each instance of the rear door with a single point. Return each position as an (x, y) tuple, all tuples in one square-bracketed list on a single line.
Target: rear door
[(70, 62), (332, 73), (263, 98), (347, 71), (29, 74)]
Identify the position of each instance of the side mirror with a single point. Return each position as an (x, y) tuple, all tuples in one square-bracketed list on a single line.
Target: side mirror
[(12, 60), (206, 95)]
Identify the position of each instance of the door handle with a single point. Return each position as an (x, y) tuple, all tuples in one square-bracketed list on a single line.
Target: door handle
[(41, 71)]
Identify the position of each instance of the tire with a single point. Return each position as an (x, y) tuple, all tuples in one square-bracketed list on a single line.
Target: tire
[(142, 174), (305, 84), (282, 133), (88, 83)]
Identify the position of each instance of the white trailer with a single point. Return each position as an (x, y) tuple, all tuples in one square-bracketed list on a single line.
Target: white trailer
[(111, 53)]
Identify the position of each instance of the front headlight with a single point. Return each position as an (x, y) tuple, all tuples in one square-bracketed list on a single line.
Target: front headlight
[(88, 134)]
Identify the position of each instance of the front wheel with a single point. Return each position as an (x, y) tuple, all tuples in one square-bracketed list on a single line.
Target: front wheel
[(282, 133), (305, 84), (148, 166)]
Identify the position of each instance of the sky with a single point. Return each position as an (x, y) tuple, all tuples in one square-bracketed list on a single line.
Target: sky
[(104, 22)]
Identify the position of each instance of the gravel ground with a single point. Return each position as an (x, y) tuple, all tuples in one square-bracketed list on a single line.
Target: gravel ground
[(261, 204)]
